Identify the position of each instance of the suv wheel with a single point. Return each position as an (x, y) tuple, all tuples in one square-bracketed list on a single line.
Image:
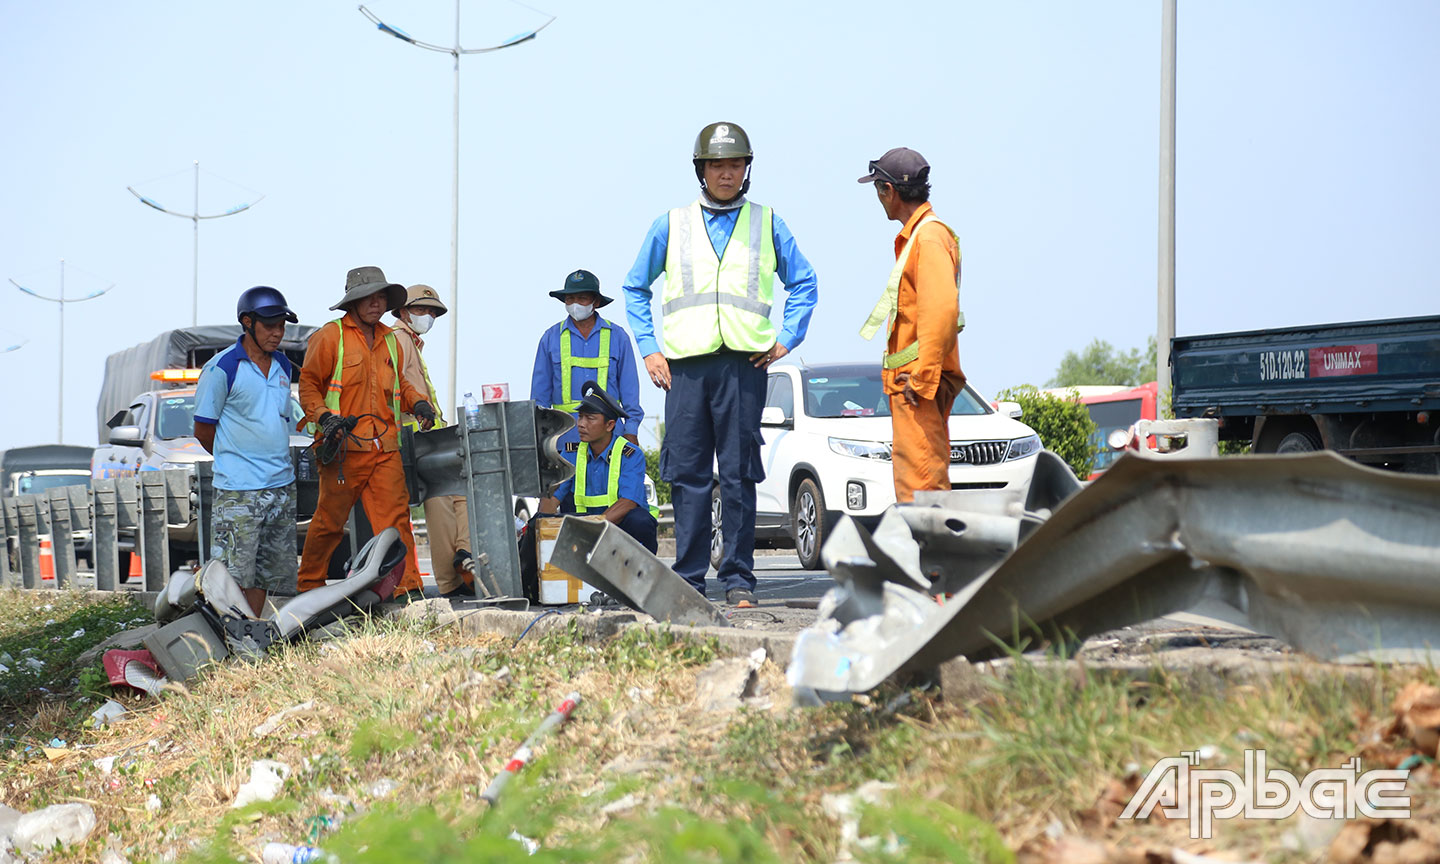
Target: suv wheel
[(717, 540), (807, 523)]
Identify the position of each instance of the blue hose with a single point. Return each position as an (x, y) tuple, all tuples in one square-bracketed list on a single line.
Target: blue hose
[(532, 624)]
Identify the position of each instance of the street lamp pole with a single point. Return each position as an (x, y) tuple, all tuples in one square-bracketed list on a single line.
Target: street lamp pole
[(454, 51), (195, 216), (60, 364), (1165, 299)]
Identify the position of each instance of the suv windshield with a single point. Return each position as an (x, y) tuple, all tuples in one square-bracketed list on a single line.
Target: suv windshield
[(859, 392)]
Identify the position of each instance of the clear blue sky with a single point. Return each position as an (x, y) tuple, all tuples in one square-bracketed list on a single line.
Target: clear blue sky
[(1308, 185)]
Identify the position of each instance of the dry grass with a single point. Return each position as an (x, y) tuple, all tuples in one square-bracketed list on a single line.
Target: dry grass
[(438, 713)]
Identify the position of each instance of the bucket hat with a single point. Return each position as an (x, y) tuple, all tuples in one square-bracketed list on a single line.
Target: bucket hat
[(580, 282), (364, 281)]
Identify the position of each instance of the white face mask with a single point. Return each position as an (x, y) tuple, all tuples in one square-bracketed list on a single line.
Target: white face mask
[(421, 323), (580, 311)]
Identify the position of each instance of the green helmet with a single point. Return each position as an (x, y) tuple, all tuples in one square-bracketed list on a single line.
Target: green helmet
[(723, 141)]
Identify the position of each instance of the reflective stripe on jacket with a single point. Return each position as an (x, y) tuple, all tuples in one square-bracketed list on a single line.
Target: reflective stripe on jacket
[(712, 302)]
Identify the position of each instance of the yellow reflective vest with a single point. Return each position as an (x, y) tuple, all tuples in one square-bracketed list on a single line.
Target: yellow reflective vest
[(711, 301)]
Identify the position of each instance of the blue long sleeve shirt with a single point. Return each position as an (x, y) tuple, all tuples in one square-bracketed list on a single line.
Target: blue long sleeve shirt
[(622, 384), (791, 266)]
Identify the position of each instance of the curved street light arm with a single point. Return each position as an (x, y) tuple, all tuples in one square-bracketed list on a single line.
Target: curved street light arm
[(90, 296), (33, 293), (151, 203), (512, 41), (401, 34), (233, 210)]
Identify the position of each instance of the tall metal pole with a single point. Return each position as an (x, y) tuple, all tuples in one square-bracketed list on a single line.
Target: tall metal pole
[(454, 51), (455, 231), (60, 360), (60, 393), (1165, 299), (195, 290)]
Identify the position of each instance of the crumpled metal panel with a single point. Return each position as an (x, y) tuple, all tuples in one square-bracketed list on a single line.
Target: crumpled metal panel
[(1339, 560), (602, 555)]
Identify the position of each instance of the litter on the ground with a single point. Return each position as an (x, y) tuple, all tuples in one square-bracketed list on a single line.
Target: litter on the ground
[(266, 778)]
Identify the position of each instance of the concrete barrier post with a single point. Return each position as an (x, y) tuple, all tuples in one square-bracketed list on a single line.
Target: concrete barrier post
[(105, 516)]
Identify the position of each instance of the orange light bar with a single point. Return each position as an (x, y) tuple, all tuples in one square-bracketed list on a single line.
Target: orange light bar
[(172, 376)]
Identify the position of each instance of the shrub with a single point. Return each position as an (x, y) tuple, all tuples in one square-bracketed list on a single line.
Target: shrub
[(1064, 426)]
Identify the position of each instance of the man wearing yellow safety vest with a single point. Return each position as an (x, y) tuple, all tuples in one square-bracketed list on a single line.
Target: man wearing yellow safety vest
[(609, 472), (921, 304), (720, 255), (447, 517), (585, 347), (353, 393)]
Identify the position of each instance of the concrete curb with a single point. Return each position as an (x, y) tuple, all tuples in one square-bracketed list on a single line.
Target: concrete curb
[(959, 679)]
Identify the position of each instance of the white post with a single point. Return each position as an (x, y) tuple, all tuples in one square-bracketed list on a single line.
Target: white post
[(60, 394), (455, 231), (195, 288), (1165, 299)]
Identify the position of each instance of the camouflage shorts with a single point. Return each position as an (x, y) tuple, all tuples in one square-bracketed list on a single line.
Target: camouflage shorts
[(253, 532)]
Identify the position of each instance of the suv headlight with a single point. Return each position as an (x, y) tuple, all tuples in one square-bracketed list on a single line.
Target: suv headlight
[(1022, 447), (182, 466), (861, 449)]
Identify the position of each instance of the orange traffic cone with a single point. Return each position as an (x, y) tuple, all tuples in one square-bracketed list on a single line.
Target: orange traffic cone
[(135, 572), (47, 561)]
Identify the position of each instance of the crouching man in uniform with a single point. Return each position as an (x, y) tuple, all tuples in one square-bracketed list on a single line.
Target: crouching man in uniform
[(609, 472)]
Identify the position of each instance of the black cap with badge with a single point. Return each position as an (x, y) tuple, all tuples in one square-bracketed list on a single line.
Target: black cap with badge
[(899, 167), (594, 400)]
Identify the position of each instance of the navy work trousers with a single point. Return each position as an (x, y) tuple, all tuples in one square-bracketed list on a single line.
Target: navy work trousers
[(712, 429)]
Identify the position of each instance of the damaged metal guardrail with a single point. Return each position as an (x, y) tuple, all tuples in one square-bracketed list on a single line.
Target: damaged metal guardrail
[(1337, 559), (510, 451), (602, 555)]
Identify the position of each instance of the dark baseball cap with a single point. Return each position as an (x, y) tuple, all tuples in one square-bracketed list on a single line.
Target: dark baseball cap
[(901, 166)]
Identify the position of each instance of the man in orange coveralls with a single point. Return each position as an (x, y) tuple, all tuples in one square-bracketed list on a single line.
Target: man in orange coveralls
[(353, 393), (922, 303)]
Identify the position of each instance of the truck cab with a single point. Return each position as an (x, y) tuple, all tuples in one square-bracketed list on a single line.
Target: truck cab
[(157, 431)]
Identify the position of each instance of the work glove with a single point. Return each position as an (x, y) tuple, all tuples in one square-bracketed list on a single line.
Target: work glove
[(333, 426), (425, 413)]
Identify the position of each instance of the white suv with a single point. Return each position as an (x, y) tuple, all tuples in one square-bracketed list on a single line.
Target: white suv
[(826, 451)]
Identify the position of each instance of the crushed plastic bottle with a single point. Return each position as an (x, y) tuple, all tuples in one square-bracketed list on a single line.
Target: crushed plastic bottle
[(284, 853), (472, 412)]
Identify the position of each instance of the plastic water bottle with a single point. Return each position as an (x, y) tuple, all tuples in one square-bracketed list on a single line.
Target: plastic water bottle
[(284, 853), (472, 412)]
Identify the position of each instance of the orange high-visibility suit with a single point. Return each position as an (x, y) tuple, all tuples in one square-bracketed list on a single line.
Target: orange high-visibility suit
[(926, 311), (372, 470)]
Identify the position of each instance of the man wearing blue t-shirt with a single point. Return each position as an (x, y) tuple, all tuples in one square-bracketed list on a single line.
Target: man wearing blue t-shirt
[(242, 417)]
